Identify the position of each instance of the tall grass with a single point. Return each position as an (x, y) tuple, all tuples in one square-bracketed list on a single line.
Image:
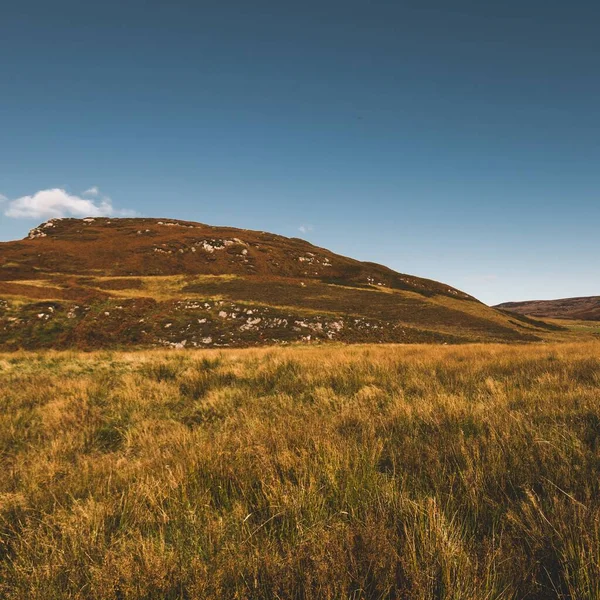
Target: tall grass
[(367, 472)]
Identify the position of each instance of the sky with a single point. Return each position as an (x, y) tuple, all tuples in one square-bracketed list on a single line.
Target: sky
[(452, 140)]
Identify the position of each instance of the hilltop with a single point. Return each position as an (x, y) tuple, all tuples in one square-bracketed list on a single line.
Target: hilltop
[(103, 282), (582, 309)]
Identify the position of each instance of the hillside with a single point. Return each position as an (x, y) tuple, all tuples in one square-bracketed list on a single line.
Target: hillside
[(100, 282), (583, 309)]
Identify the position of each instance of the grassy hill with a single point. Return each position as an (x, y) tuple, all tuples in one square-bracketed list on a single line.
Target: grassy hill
[(581, 309), (101, 282)]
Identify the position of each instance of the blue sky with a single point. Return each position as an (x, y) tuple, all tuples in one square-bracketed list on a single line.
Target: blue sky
[(452, 140)]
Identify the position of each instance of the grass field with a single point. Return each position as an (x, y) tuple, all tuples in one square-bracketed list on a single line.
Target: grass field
[(363, 472)]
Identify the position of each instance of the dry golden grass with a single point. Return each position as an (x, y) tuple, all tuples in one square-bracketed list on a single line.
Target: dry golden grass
[(365, 472)]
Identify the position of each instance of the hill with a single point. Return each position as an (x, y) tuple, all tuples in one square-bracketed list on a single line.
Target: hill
[(101, 282), (582, 309)]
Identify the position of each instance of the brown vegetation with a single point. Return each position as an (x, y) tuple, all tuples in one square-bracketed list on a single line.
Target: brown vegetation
[(99, 283), (363, 472), (584, 309)]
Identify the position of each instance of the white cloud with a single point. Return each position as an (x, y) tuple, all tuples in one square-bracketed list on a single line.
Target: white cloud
[(55, 203), (93, 191), (3, 199), (305, 228)]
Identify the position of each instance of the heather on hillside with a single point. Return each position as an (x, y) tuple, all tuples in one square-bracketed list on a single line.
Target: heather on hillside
[(582, 309), (364, 472), (109, 283)]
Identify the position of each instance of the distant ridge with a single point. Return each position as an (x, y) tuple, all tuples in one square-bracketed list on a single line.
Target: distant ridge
[(102, 282), (585, 308)]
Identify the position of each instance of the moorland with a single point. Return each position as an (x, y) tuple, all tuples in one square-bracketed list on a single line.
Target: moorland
[(367, 472), (100, 283)]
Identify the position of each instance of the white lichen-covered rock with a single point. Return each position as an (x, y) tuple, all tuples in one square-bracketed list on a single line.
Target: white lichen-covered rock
[(176, 345), (38, 232), (175, 224), (336, 325), (212, 245), (250, 324)]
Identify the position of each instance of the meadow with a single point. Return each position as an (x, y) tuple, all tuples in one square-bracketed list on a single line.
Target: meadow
[(331, 472)]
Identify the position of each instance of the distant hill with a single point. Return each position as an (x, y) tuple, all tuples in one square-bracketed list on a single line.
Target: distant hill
[(585, 309), (101, 282)]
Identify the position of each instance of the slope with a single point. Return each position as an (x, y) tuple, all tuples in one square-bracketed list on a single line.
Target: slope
[(100, 282), (583, 309)]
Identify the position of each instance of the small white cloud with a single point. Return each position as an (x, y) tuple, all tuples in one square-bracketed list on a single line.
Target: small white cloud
[(305, 228), (56, 203), (93, 191), (3, 199)]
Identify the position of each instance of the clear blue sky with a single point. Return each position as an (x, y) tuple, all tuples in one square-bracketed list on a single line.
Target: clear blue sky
[(453, 140)]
